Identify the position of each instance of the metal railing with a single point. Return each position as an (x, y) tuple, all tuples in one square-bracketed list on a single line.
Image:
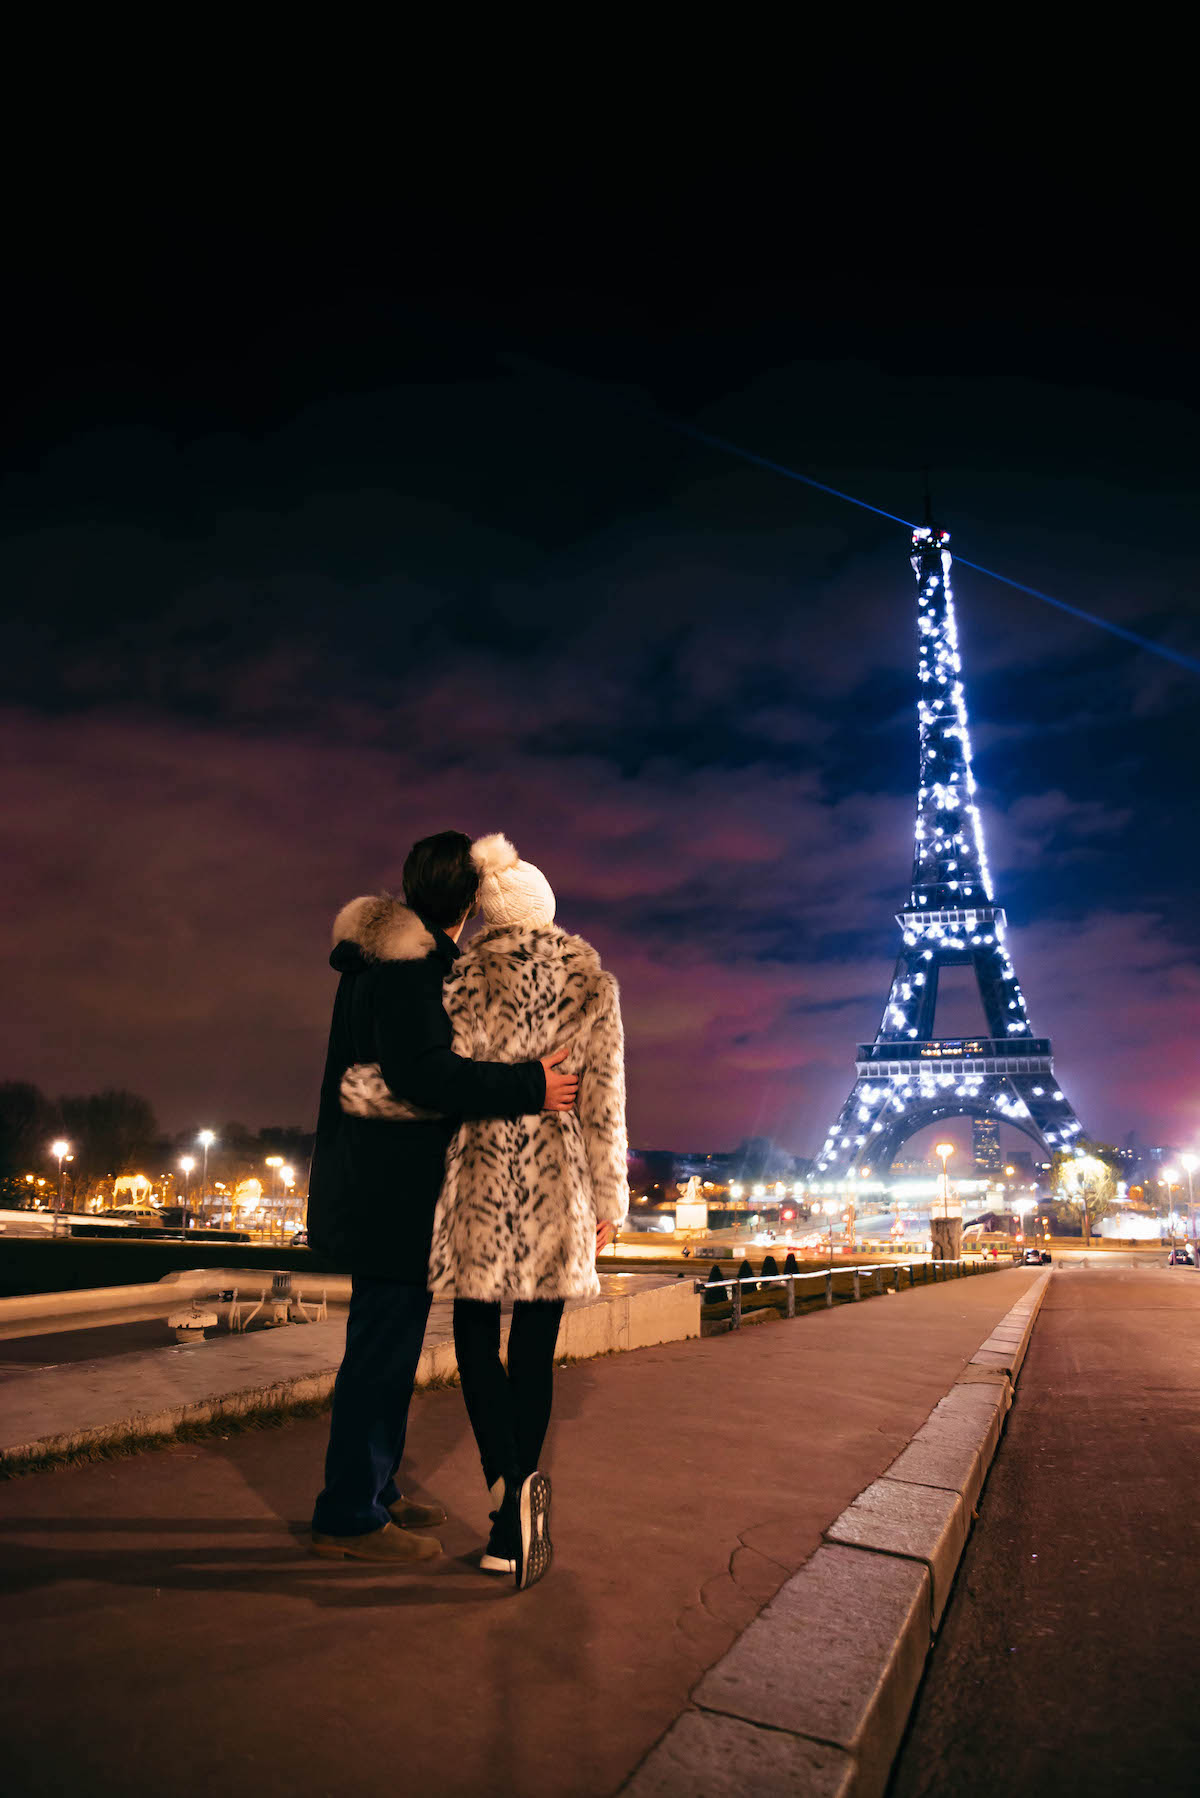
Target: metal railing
[(931, 1273)]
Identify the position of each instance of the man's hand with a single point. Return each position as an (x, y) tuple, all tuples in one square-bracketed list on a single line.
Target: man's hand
[(560, 1088), (605, 1233)]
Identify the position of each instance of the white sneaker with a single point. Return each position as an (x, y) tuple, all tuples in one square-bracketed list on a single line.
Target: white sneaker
[(500, 1555), (536, 1550)]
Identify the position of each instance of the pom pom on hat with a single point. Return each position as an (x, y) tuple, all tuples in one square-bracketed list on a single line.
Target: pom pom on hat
[(511, 891), (493, 855)]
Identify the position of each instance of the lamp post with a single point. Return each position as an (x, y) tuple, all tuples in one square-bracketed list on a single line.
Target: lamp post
[(1170, 1178), (206, 1139), (187, 1163), (60, 1150), (830, 1208), (1190, 1163), (943, 1151), (276, 1161), (287, 1177)]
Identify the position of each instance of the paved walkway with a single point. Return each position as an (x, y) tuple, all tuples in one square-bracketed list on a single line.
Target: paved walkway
[(165, 1630), (1067, 1659)]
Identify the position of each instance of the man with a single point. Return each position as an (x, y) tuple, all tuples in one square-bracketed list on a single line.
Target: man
[(375, 1182)]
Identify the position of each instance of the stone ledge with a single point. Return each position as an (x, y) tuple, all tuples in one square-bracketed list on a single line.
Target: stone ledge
[(987, 1376), (922, 1523), (704, 1755), (84, 1406), (954, 1463), (836, 1656)]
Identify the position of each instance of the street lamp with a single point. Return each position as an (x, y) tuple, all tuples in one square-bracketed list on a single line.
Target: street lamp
[(1170, 1178), (276, 1161), (1190, 1163), (60, 1150), (187, 1163), (943, 1151), (830, 1207), (206, 1139)]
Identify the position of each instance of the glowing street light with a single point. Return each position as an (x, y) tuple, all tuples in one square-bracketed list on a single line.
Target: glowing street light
[(60, 1149), (830, 1207), (187, 1163), (276, 1161), (943, 1151), (206, 1139), (1189, 1164)]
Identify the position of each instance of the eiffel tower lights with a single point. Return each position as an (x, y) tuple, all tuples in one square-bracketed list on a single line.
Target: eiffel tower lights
[(949, 859), (908, 1077)]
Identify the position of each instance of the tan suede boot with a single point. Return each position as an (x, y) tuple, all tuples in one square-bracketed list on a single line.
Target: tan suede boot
[(413, 1516), (390, 1546)]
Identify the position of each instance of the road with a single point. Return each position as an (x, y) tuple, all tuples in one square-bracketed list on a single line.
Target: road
[(1066, 1661)]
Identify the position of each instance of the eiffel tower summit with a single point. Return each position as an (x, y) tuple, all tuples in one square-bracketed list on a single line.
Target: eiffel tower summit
[(909, 1078)]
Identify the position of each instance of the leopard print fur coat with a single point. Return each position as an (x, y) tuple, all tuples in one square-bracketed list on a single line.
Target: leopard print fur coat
[(521, 1198)]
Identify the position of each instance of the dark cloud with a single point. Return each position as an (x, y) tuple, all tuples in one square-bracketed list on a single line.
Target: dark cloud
[(263, 640)]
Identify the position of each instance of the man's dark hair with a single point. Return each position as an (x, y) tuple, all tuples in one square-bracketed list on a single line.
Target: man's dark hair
[(441, 882)]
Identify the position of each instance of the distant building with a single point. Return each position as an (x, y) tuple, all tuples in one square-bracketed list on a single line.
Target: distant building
[(985, 1145), (656, 1172)]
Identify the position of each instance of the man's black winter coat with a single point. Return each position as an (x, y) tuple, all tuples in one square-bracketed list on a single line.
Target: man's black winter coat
[(375, 1182)]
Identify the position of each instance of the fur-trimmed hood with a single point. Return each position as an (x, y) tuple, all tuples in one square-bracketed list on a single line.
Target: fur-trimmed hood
[(383, 928)]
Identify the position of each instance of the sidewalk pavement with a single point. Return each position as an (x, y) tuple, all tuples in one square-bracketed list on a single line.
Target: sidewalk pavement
[(167, 1629)]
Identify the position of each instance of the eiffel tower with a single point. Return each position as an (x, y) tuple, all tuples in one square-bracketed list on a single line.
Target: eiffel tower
[(909, 1078)]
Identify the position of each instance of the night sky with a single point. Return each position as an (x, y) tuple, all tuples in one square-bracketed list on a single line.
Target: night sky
[(322, 538)]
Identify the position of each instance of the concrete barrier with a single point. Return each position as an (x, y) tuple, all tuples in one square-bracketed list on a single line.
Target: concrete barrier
[(84, 1407)]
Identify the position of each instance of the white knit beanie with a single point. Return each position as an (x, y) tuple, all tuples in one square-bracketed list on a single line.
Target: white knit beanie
[(511, 891)]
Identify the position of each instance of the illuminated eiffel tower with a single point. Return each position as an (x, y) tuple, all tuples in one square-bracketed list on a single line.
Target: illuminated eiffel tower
[(909, 1078)]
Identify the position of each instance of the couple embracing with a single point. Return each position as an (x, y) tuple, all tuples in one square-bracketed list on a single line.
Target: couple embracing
[(471, 1146)]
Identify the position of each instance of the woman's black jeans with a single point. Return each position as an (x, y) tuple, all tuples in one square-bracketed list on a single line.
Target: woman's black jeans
[(510, 1413)]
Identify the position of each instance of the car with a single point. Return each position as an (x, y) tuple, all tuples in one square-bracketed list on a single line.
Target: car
[(1180, 1258), (1032, 1258), (300, 1239)]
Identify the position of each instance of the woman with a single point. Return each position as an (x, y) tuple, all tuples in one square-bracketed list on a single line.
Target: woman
[(526, 1202)]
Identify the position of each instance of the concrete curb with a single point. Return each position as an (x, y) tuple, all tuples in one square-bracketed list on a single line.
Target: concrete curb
[(814, 1696), (166, 1390)]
